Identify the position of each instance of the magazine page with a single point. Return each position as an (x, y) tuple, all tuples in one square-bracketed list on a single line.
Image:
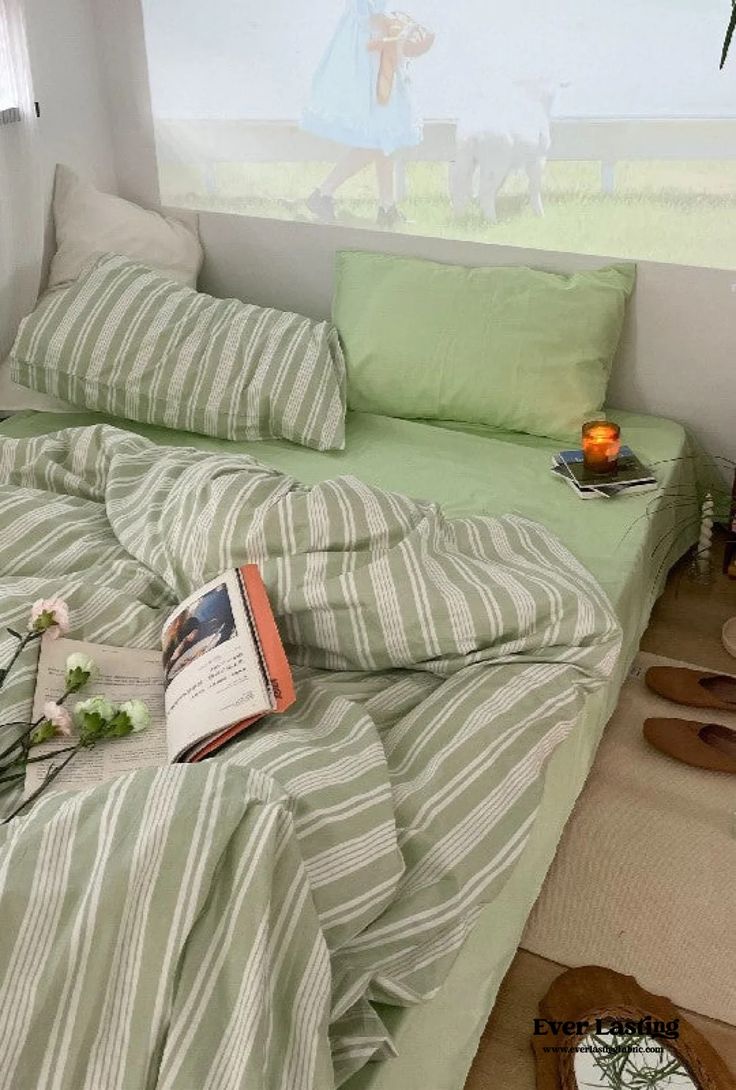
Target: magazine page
[(124, 674), (212, 667)]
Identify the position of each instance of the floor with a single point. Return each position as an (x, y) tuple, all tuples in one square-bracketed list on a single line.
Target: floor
[(685, 624)]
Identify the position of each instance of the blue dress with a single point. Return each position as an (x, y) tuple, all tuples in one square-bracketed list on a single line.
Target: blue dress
[(343, 105)]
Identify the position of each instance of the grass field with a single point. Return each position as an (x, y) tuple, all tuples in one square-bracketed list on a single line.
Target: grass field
[(662, 211)]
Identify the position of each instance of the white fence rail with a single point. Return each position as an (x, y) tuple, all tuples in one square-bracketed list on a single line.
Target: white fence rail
[(608, 141)]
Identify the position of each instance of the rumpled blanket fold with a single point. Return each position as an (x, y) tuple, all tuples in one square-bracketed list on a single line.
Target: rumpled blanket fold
[(232, 925)]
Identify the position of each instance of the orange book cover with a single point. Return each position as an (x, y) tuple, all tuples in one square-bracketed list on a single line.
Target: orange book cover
[(272, 650)]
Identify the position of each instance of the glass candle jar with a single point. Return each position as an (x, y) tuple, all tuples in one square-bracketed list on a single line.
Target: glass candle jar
[(601, 446)]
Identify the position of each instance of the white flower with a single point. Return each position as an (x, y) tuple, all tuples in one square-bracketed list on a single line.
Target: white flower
[(79, 669), (50, 615), (138, 714), (95, 705), (59, 718), (80, 661)]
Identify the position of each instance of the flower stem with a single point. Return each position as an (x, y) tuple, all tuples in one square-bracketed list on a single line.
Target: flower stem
[(49, 778), (21, 738), (50, 756), (12, 779), (17, 723), (29, 761), (23, 642)]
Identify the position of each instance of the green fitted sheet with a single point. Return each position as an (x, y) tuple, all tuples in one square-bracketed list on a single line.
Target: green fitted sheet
[(476, 470), (627, 543)]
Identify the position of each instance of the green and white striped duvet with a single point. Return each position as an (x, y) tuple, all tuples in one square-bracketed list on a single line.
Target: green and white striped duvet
[(231, 925), (131, 342)]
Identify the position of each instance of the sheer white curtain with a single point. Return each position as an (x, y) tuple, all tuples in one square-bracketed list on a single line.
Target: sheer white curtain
[(21, 197)]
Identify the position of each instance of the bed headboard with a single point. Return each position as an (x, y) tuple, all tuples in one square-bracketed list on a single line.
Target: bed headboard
[(678, 353)]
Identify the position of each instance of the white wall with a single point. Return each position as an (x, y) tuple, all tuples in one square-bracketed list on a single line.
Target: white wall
[(122, 55), (74, 126), (67, 81), (678, 352), (678, 355)]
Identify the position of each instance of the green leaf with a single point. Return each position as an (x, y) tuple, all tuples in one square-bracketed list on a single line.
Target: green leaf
[(43, 732), (76, 679), (118, 726), (44, 621), (92, 727)]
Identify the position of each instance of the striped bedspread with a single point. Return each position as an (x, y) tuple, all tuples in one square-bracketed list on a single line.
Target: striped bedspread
[(231, 925)]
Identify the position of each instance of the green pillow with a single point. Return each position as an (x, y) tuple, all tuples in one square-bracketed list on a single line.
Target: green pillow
[(128, 341), (520, 349)]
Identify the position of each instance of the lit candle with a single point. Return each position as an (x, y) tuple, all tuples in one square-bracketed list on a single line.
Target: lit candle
[(601, 446)]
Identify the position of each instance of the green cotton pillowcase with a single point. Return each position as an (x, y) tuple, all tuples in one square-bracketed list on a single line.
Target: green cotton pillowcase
[(130, 342), (515, 348)]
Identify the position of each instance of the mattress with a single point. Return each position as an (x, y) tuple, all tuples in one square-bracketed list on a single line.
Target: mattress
[(627, 543)]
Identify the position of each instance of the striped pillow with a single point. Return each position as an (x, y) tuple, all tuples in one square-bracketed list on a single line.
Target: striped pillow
[(127, 341)]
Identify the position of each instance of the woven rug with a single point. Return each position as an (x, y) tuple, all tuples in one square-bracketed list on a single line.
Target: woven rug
[(644, 880)]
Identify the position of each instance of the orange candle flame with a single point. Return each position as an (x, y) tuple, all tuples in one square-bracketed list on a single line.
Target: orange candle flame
[(601, 446)]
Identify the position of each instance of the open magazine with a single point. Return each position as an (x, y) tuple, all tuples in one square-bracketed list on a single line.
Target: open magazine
[(221, 668)]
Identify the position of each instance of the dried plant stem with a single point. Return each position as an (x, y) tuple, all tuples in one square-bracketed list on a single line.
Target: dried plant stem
[(49, 756), (23, 642), (12, 779), (32, 760), (50, 776)]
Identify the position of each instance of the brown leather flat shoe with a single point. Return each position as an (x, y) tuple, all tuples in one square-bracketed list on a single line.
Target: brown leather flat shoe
[(696, 688), (703, 745)]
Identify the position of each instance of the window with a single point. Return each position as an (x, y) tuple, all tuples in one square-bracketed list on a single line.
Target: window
[(601, 127)]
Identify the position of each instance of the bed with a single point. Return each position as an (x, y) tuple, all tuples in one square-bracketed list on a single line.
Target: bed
[(628, 545)]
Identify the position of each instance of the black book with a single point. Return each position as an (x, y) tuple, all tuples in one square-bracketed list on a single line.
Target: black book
[(631, 475)]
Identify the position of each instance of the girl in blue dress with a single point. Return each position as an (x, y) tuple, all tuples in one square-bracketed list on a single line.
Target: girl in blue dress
[(344, 106)]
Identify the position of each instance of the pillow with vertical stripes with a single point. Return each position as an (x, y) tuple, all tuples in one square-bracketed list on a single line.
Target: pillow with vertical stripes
[(128, 341)]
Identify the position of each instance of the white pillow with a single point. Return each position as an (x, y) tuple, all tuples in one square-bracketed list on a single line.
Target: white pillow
[(89, 222)]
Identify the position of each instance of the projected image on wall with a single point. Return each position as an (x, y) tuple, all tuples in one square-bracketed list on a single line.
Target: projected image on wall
[(600, 128)]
